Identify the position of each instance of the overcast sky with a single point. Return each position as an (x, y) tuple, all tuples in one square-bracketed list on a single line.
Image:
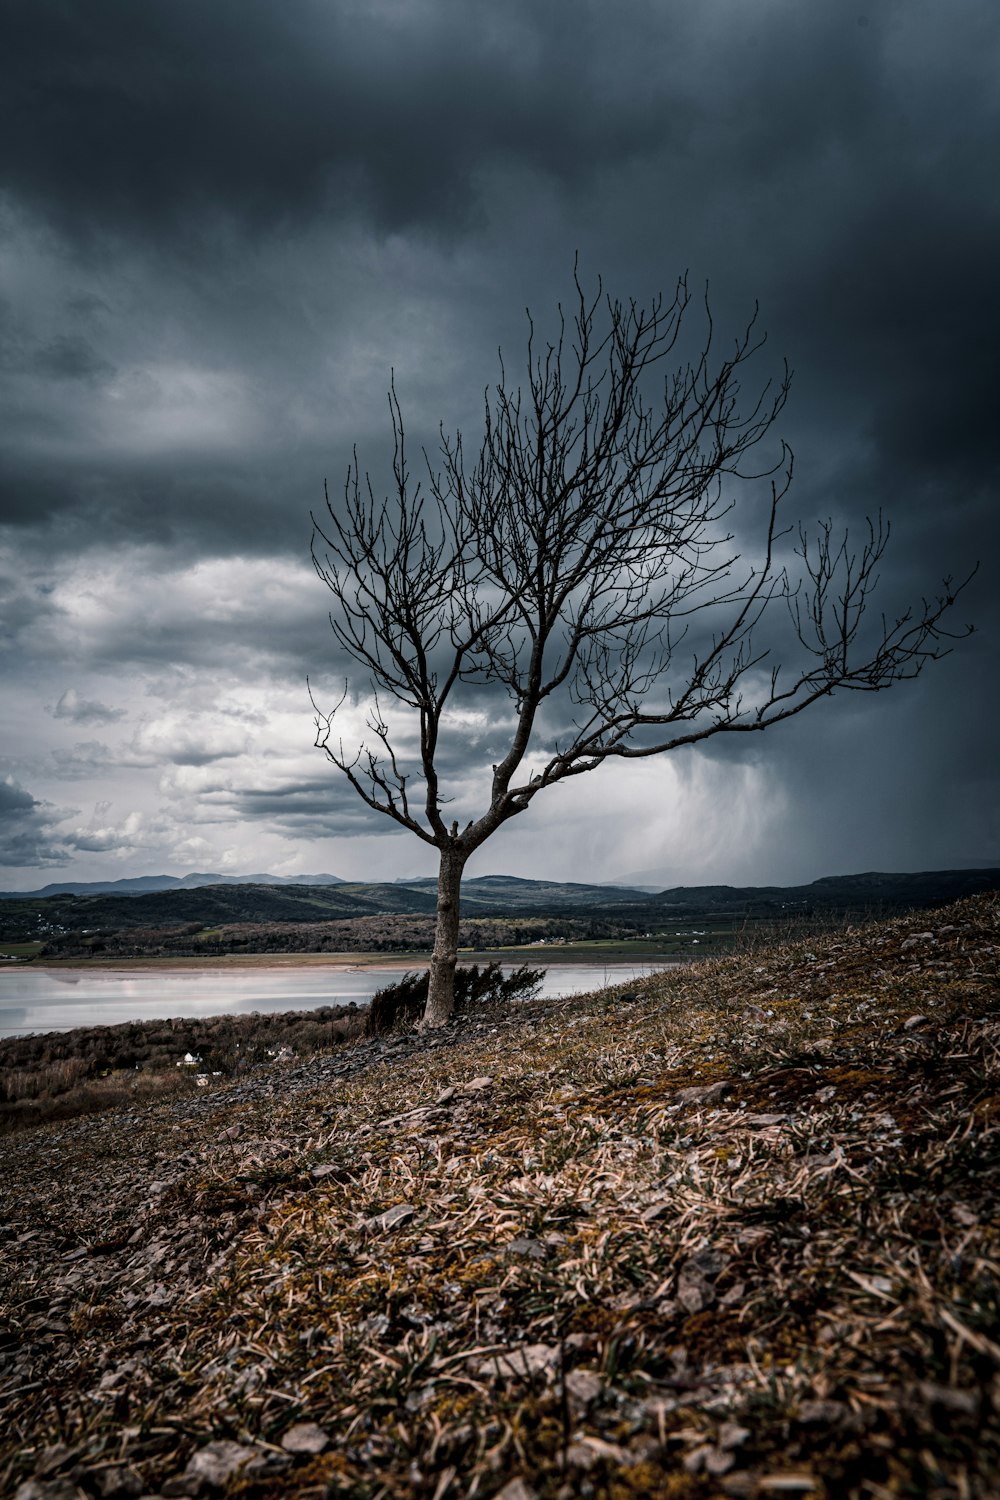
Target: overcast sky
[(222, 224)]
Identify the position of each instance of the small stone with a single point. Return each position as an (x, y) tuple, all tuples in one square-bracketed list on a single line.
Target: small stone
[(707, 1262), (719, 1462), (516, 1489), (446, 1095), (693, 1290), (305, 1437), (533, 1249), (183, 1485), (704, 1093), (477, 1085), (217, 1462), (583, 1387), (692, 1294), (326, 1170), (116, 1483), (696, 1460), (644, 1448), (912, 1022), (822, 1413), (732, 1435), (529, 1360), (393, 1217), (48, 1489)]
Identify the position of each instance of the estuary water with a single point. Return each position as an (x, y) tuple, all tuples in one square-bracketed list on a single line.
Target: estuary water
[(37, 1000)]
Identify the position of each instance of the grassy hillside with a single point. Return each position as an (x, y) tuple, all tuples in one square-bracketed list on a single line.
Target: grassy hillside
[(57, 1075), (736, 1235), (251, 915)]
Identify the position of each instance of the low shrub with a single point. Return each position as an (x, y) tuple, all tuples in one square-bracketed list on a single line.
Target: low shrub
[(399, 1006)]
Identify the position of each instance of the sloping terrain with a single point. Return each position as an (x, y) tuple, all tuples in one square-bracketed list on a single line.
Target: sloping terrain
[(207, 906), (734, 1233), (94, 916)]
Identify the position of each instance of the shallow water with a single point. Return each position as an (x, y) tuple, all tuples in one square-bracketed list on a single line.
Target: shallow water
[(35, 1000)]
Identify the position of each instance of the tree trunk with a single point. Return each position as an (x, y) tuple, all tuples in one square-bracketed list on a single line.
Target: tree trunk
[(441, 995)]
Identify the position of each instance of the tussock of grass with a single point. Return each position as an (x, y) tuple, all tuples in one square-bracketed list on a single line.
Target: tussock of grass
[(737, 1235)]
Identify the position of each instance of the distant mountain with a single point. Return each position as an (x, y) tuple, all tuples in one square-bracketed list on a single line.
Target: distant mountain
[(211, 900), (873, 891), (141, 885)]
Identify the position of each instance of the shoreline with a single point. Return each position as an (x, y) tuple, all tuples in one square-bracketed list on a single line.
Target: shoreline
[(339, 963)]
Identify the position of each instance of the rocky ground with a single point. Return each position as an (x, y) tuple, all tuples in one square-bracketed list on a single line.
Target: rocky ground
[(734, 1233)]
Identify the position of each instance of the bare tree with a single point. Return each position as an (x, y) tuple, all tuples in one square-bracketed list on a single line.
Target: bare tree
[(582, 565)]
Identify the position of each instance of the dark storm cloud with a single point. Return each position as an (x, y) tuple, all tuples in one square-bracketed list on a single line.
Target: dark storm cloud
[(184, 504), (27, 835), (305, 808), (224, 223), (834, 169), (900, 313), (144, 118), (64, 357)]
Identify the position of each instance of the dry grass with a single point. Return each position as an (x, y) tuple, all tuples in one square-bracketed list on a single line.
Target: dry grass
[(736, 1236), (59, 1075)]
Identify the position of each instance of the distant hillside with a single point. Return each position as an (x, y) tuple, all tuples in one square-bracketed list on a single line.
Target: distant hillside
[(873, 891), (483, 894), (211, 905), (33, 917), (144, 884)]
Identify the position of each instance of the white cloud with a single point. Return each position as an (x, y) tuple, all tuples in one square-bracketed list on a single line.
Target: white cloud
[(102, 837), (247, 613), (188, 741)]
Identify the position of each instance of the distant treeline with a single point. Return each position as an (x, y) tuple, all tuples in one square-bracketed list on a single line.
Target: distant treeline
[(388, 934)]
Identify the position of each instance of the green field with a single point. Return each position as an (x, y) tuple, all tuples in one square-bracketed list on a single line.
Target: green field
[(20, 950)]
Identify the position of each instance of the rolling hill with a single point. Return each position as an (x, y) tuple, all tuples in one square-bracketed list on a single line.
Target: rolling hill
[(25, 917)]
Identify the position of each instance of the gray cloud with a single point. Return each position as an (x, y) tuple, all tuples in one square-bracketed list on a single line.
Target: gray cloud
[(82, 760), (27, 829), (279, 118), (85, 710), (224, 224), (306, 810)]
